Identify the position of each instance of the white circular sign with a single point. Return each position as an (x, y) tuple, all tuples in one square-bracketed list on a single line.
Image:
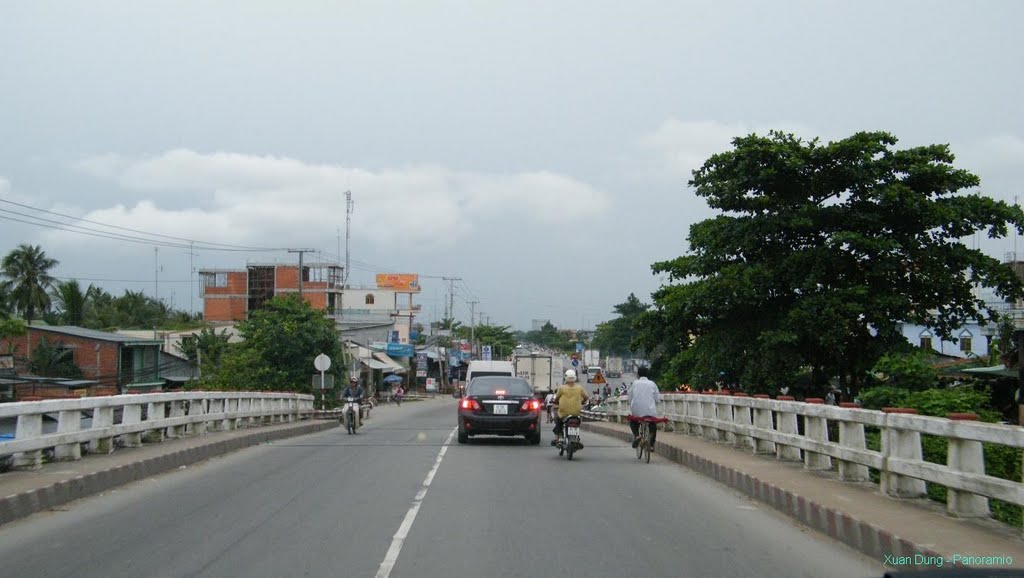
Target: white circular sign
[(322, 362)]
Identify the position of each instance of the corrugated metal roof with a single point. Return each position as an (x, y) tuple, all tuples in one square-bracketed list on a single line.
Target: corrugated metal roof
[(93, 334)]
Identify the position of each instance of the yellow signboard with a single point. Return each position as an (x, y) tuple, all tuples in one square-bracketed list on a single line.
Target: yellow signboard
[(399, 281)]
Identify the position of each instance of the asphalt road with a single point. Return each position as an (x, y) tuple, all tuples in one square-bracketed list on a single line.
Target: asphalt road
[(395, 500)]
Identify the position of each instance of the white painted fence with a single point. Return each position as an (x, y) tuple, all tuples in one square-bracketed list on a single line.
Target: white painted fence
[(768, 426), (129, 420)]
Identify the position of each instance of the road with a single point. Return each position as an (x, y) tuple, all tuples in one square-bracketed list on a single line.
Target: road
[(331, 504)]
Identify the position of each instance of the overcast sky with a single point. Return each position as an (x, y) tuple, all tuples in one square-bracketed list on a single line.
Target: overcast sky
[(538, 150)]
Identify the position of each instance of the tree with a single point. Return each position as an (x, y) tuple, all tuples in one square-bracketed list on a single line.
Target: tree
[(205, 348), (70, 300), (549, 336), (280, 342), (616, 337), (501, 338), (53, 360), (27, 270), (820, 252)]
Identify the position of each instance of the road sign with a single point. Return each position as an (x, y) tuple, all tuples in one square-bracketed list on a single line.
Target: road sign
[(579, 347), (322, 362), (485, 352), (575, 362), (421, 373)]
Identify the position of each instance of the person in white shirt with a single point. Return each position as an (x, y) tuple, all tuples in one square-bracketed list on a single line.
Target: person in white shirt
[(643, 402), (549, 405)]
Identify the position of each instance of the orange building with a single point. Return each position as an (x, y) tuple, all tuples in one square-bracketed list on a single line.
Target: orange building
[(228, 295)]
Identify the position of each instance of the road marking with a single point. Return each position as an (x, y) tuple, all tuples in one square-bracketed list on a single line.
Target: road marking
[(403, 531)]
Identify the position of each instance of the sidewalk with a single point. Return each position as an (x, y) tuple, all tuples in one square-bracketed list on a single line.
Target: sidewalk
[(856, 514), (26, 492)]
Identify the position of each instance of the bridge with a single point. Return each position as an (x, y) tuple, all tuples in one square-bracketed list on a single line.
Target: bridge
[(257, 484)]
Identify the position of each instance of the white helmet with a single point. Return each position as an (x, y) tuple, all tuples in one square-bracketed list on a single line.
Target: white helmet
[(570, 375)]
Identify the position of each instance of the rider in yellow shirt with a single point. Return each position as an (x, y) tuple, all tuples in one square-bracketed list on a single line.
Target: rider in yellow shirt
[(569, 399)]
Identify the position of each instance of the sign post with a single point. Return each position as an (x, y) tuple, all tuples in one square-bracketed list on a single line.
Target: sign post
[(322, 363)]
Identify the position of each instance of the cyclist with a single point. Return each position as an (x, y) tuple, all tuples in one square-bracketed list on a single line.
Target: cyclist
[(549, 406), (569, 399), (643, 402)]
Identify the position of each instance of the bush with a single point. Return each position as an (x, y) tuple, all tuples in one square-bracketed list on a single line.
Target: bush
[(910, 371)]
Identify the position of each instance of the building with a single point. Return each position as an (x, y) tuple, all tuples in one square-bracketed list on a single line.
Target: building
[(111, 363), (229, 295)]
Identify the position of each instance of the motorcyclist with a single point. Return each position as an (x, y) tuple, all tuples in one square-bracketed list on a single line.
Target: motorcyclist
[(355, 390), (569, 399), (549, 406)]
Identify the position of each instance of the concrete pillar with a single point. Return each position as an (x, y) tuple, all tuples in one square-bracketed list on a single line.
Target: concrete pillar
[(29, 426), (155, 412), (968, 457), (787, 425), (69, 421), (741, 416), (709, 411), (816, 428), (177, 410), (851, 435), (230, 406), (197, 408), (726, 413), (102, 417), (694, 408), (132, 414), (216, 407), (763, 421), (901, 444)]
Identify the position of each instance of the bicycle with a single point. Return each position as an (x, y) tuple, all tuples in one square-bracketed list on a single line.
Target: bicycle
[(643, 449)]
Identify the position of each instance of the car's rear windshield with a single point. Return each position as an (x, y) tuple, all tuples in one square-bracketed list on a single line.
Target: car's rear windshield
[(491, 386), (477, 374)]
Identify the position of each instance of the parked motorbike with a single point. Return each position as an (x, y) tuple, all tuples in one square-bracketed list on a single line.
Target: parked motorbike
[(570, 442), (350, 414)]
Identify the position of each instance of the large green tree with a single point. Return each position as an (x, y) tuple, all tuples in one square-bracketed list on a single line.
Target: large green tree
[(549, 336), (818, 255), (28, 280), (501, 338), (616, 337), (281, 340), (70, 301)]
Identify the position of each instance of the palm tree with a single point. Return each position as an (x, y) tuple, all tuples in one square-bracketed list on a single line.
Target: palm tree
[(27, 269), (71, 300)]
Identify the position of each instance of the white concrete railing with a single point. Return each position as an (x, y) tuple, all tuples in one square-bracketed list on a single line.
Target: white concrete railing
[(768, 426), (131, 419)]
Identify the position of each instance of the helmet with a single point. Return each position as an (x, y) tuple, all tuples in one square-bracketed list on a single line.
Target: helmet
[(570, 375)]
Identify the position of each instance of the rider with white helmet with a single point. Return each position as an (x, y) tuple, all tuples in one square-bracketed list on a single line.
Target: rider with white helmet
[(569, 399)]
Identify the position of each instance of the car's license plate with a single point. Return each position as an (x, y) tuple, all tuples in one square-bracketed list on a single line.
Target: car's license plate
[(500, 410), (572, 431)]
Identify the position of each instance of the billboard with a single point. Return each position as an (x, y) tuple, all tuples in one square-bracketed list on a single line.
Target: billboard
[(399, 281)]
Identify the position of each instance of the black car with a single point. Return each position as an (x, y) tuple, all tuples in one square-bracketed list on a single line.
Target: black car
[(499, 406)]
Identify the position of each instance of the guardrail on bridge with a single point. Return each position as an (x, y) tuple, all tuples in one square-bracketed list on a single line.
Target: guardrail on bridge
[(770, 426), (103, 423)]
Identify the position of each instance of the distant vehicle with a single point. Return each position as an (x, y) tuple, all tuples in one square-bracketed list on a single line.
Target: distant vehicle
[(503, 406), (591, 357), (539, 370), (479, 368), (595, 375), (613, 367)]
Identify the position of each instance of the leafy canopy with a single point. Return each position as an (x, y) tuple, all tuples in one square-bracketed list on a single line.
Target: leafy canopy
[(818, 255), (28, 280)]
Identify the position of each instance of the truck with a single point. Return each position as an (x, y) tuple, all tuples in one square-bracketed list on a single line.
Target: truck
[(591, 358), (613, 367), (538, 369)]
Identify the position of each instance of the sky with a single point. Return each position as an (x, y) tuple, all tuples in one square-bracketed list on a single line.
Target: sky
[(538, 151)]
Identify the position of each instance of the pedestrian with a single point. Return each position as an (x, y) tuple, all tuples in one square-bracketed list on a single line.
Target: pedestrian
[(399, 392)]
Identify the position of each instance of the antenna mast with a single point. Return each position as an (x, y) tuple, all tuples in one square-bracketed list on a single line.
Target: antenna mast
[(349, 208)]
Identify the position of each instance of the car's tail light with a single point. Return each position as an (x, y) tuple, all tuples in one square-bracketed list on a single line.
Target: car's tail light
[(469, 404), (531, 405)]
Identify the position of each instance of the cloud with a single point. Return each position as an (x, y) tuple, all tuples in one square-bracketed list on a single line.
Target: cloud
[(261, 200), (676, 147)]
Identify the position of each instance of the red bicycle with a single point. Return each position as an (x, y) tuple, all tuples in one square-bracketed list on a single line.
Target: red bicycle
[(647, 423)]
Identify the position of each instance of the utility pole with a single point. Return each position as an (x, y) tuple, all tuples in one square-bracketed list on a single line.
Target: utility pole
[(350, 207), (156, 274), (301, 253), (472, 324), (450, 308)]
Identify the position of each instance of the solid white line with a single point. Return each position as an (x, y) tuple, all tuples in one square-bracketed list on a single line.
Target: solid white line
[(403, 531)]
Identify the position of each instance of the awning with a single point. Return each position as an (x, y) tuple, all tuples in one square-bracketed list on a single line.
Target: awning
[(390, 365), (994, 371), (373, 363)]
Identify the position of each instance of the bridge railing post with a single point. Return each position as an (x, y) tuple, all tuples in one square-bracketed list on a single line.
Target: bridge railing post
[(710, 412), (741, 415), (29, 425), (156, 411), (762, 416), (966, 456), (851, 435), (131, 414), (785, 418), (69, 421), (816, 428), (102, 417), (904, 444), (725, 413)]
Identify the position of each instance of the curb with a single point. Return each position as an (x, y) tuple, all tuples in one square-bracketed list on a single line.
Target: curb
[(861, 536), (17, 506)]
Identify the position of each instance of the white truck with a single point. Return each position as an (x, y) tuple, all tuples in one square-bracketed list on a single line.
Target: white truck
[(539, 370), (591, 358), (613, 367)]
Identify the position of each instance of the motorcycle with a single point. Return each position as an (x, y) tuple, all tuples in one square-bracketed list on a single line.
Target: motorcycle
[(570, 442), (351, 414)]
